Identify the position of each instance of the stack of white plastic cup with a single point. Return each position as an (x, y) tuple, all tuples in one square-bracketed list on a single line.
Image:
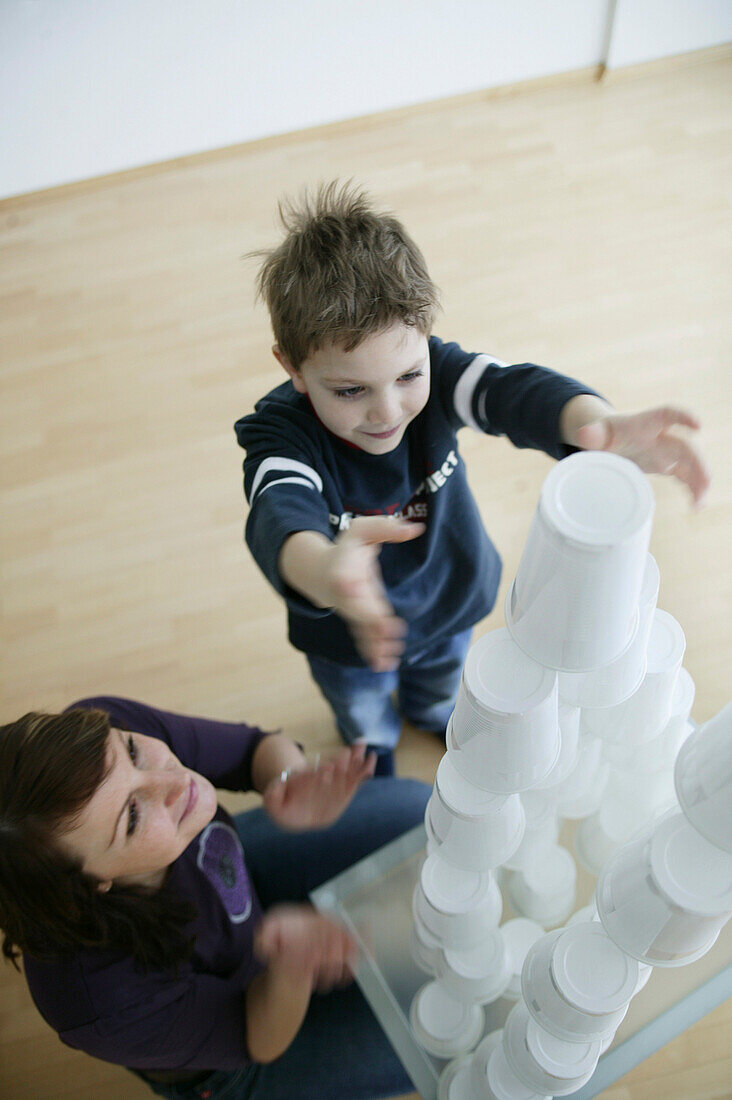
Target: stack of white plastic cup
[(574, 603), (503, 735), (664, 897)]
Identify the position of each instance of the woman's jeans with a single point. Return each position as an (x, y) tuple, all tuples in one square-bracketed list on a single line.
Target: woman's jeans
[(425, 687), (340, 1051)]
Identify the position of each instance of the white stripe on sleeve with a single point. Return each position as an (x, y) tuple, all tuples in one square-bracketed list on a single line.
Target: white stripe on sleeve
[(286, 481), (463, 396), (285, 464)]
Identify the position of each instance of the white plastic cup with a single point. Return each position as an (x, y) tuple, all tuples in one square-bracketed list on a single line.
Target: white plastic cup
[(519, 935), (642, 919), (479, 973), (540, 833), (703, 778), (503, 735), (631, 801), (588, 912), (614, 683), (479, 1061), (643, 716), (545, 890), (503, 1084), (694, 873), (581, 793), (543, 1061), (425, 948), (471, 827), (661, 752), (577, 983), (569, 725), (444, 1026), (592, 845), (456, 906), (574, 603)]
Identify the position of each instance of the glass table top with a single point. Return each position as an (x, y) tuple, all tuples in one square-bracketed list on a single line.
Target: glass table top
[(374, 899)]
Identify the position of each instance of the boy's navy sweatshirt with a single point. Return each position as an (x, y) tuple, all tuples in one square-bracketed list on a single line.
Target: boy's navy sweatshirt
[(298, 476)]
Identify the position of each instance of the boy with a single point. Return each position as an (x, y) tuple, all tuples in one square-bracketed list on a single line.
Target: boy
[(360, 511)]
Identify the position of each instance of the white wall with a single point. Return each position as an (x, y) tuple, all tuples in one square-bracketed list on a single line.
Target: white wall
[(646, 29), (94, 86)]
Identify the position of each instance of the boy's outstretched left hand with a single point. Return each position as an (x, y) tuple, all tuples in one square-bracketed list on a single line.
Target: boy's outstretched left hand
[(647, 438), (316, 797)]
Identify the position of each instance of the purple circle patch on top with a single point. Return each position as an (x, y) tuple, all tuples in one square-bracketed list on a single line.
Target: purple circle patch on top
[(221, 859)]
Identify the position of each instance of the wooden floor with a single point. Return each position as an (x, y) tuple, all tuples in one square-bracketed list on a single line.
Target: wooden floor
[(581, 225)]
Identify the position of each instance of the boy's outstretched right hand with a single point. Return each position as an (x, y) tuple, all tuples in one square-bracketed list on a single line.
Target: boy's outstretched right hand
[(357, 588)]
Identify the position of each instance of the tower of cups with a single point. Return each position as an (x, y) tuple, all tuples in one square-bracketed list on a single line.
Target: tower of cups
[(578, 709)]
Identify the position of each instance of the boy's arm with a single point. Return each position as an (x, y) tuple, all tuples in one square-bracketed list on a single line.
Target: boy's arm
[(345, 575), (646, 438)]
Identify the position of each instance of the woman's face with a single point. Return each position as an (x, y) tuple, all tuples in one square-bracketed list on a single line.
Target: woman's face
[(142, 816)]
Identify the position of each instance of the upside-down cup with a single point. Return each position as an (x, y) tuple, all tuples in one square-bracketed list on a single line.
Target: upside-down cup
[(631, 801), (503, 735), (661, 752), (614, 683), (543, 1061), (540, 833), (592, 845), (545, 890), (640, 917), (425, 948), (643, 716), (519, 934), (443, 1025), (573, 605), (581, 792), (471, 827), (569, 727), (458, 907), (577, 983), (478, 974), (703, 777), (503, 1084)]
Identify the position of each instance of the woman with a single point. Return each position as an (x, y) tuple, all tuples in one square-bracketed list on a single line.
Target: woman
[(161, 934)]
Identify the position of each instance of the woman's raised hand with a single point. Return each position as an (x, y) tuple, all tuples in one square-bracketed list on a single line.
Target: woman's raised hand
[(317, 796), (306, 944)]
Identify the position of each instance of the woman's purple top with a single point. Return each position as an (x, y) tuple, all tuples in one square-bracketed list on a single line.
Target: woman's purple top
[(99, 1002)]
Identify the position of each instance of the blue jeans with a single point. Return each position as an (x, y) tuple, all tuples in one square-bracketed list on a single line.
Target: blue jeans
[(340, 1050), (425, 684)]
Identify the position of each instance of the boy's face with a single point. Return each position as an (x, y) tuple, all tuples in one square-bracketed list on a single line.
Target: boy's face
[(369, 395)]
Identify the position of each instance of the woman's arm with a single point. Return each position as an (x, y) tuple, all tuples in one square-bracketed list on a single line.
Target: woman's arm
[(302, 949)]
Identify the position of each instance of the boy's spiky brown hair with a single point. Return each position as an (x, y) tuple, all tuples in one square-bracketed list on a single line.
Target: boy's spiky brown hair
[(343, 272)]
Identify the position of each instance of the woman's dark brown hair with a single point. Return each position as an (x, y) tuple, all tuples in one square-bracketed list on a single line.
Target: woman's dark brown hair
[(50, 766)]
